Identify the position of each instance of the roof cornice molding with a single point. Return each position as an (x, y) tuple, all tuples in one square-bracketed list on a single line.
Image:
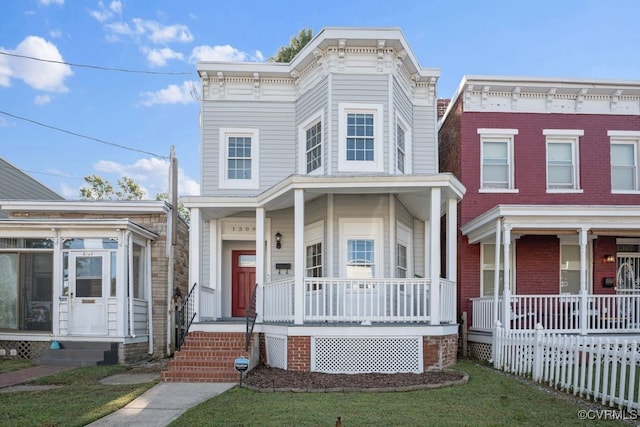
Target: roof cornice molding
[(88, 206)]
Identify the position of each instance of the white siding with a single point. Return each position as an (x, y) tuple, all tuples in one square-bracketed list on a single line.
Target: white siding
[(276, 124)]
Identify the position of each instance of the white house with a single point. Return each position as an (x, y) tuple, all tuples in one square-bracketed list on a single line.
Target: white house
[(320, 187)]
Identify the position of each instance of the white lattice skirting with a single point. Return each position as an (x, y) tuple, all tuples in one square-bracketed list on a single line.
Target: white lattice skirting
[(366, 354), (276, 351)]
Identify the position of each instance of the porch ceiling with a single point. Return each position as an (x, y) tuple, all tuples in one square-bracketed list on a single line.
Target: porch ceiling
[(554, 219), (413, 191)]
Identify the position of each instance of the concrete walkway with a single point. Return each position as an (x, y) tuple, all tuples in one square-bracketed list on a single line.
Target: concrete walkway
[(157, 407), (162, 404)]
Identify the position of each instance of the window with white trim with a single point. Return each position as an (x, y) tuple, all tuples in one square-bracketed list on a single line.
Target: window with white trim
[(310, 139), (400, 148), (625, 152), (563, 172), (569, 268), (488, 263), (313, 234), (496, 153), (239, 159), (361, 247), (360, 138), (403, 251)]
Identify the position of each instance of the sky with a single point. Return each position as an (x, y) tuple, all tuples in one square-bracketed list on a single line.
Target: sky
[(122, 88)]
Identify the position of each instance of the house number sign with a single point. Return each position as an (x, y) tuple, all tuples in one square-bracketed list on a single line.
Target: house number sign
[(239, 229)]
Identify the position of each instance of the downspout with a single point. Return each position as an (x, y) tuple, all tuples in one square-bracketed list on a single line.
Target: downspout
[(149, 285), (130, 269)]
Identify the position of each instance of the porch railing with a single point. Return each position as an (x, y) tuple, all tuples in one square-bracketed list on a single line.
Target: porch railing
[(351, 300), (561, 313), (185, 313)]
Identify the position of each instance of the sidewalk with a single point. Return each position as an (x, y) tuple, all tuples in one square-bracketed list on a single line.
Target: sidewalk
[(162, 404), (157, 407)]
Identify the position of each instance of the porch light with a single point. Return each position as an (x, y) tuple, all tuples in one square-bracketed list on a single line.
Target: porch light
[(278, 240), (609, 259)]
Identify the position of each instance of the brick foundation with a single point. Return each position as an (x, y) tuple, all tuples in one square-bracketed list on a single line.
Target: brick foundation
[(439, 352)]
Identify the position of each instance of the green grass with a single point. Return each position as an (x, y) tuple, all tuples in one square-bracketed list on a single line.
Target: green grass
[(488, 399), (9, 365), (80, 400)]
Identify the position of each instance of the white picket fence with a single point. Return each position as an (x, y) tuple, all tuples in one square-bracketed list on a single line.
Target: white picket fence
[(606, 370)]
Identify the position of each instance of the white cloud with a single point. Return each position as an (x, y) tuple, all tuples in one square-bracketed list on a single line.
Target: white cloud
[(151, 174), (172, 94), (4, 123), (39, 75), (159, 57), (50, 2), (223, 53), (55, 34), (105, 13), (42, 100), (151, 30)]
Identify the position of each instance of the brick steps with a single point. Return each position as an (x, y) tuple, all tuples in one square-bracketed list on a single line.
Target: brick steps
[(206, 357)]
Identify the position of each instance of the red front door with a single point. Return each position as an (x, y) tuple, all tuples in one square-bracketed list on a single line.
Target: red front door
[(243, 279)]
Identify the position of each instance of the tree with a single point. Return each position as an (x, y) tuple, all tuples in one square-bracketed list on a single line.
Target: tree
[(287, 53), (101, 189)]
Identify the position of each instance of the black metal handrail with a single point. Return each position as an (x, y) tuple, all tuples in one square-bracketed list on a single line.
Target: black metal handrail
[(185, 313), (251, 318)]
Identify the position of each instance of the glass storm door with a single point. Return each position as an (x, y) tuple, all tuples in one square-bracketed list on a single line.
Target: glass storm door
[(89, 284)]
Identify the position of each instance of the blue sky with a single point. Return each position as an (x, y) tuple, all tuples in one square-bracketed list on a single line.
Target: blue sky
[(138, 116)]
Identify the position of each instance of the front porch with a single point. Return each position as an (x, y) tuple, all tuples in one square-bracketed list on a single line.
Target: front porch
[(569, 314), (369, 301)]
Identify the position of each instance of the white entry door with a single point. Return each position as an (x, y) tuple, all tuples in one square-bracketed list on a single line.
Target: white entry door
[(89, 284)]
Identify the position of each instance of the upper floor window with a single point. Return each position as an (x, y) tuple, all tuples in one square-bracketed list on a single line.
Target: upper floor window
[(310, 143), (239, 159), (624, 161), (400, 149), (496, 153), (562, 159), (360, 138), (403, 147)]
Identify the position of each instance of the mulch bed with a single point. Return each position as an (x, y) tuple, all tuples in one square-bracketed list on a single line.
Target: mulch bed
[(265, 378)]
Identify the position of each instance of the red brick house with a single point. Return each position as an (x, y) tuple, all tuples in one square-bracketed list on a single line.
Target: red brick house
[(551, 172)]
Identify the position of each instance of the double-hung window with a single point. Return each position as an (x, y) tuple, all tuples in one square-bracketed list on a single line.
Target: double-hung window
[(403, 251), (310, 144), (625, 148), (488, 264), (239, 159), (360, 138), (360, 247), (496, 153), (403, 147), (563, 173)]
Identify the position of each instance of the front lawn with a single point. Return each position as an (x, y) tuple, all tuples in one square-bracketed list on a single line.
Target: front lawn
[(489, 399), (80, 400)]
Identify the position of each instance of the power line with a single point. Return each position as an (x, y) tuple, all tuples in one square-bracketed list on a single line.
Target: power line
[(96, 67), (124, 147)]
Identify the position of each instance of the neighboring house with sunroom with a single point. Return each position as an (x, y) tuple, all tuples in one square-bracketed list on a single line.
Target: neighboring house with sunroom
[(550, 223), (320, 187), (96, 278)]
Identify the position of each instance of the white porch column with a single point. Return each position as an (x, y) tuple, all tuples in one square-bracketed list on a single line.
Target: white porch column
[(506, 306), (496, 273), (434, 256), (194, 259), (260, 260), (452, 239), (584, 311), (392, 236), (298, 256)]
